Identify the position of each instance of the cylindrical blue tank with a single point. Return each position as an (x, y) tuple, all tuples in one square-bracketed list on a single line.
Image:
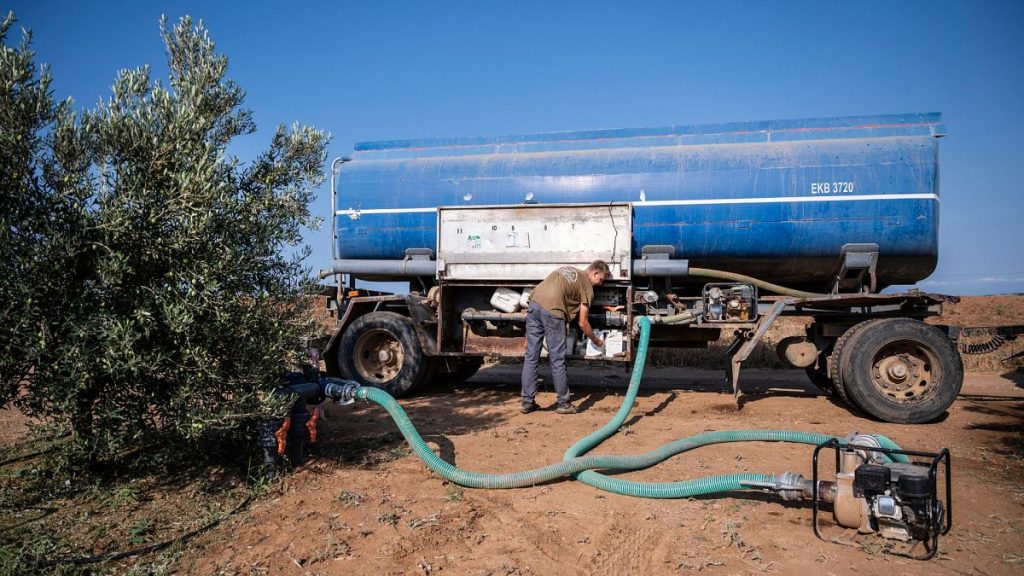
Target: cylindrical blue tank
[(776, 199)]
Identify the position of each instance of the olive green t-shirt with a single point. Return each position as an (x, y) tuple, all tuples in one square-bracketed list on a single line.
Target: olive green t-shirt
[(563, 291)]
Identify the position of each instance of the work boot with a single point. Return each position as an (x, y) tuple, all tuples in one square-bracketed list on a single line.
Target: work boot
[(566, 408), (527, 408)]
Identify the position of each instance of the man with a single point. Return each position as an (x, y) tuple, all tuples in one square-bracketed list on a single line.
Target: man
[(565, 294)]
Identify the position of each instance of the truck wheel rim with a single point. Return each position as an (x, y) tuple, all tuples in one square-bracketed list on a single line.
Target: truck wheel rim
[(904, 371), (379, 356)]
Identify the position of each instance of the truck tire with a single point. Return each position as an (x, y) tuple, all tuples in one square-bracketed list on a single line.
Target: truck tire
[(901, 370), (821, 380), (429, 375), (465, 369), (818, 372), (454, 370), (381, 350), (835, 362)]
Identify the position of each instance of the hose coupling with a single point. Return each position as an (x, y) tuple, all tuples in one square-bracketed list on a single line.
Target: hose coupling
[(344, 391), (790, 486), (855, 439), (793, 486)]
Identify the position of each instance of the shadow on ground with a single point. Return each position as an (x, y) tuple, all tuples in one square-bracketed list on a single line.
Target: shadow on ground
[(1009, 426)]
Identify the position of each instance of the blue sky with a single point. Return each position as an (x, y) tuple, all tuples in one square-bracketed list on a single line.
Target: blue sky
[(396, 70)]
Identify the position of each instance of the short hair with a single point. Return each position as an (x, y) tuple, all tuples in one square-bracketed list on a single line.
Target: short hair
[(600, 266)]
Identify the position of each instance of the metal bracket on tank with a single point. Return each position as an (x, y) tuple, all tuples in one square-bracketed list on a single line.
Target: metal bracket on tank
[(745, 343), (658, 251), (856, 269), (419, 254)]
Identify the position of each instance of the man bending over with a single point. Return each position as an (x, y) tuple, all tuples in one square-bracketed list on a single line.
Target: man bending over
[(564, 294)]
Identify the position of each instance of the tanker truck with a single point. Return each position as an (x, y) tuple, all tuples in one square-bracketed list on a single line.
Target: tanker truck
[(709, 231)]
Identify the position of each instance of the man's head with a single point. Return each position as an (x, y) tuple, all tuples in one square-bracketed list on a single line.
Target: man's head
[(598, 272)]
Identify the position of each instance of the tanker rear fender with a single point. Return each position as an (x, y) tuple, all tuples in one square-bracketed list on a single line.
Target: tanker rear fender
[(424, 320)]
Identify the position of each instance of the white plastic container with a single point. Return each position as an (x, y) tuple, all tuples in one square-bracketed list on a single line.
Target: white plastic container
[(594, 351), (613, 344), (524, 300), (506, 300)]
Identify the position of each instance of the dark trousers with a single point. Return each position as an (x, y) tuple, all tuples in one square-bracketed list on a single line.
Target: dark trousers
[(540, 324)]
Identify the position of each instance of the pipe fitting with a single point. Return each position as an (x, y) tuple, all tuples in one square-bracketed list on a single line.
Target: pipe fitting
[(684, 317), (344, 391), (793, 486), (407, 268), (855, 439), (474, 315), (660, 267), (790, 486)]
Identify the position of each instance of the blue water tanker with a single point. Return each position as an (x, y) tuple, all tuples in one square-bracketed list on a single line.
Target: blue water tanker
[(774, 199), (709, 231)]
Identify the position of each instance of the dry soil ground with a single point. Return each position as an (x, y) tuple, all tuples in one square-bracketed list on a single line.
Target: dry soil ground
[(366, 506)]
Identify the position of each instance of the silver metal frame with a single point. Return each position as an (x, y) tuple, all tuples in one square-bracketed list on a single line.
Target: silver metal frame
[(335, 168)]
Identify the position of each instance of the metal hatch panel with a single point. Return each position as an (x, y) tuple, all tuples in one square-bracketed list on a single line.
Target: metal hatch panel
[(527, 242)]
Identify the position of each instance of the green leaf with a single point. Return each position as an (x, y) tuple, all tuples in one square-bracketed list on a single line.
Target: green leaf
[(148, 289)]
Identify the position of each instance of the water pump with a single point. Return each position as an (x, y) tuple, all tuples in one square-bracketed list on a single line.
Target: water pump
[(879, 490), (898, 500)]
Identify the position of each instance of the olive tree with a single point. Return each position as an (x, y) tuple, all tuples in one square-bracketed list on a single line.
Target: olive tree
[(153, 276)]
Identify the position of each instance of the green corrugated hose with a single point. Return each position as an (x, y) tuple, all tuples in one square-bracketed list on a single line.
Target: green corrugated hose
[(583, 467), (686, 488)]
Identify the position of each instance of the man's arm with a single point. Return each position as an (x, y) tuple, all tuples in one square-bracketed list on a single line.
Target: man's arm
[(585, 326)]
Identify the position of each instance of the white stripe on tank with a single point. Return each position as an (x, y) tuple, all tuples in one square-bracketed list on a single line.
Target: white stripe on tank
[(354, 213)]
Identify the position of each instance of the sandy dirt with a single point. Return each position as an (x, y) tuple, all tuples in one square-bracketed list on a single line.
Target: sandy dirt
[(365, 505)]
